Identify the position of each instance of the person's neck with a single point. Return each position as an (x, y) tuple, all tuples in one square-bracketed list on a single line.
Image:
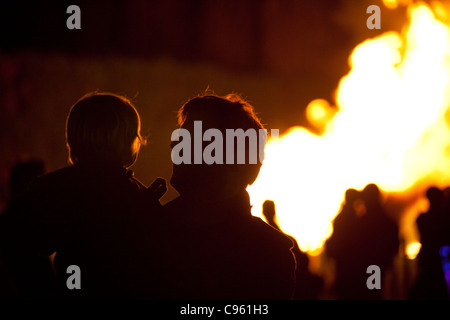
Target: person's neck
[(102, 166), (211, 199)]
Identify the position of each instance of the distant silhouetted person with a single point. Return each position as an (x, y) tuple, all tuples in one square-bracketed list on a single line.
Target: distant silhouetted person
[(343, 246), (430, 283), (29, 274), (221, 250), (359, 240), (23, 174), (346, 220), (90, 213), (381, 232), (308, 285)]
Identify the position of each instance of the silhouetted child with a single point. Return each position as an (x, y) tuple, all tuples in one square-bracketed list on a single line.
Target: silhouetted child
[(221, 251), (90, 213)]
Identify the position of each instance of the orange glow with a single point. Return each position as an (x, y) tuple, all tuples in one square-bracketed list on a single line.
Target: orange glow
[(391, 4), (391, 129), (412, 250), (394, 4), (319, 113)]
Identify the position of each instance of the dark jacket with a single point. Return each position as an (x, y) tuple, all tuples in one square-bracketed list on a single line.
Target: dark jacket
[(92, 216), (223, 252)]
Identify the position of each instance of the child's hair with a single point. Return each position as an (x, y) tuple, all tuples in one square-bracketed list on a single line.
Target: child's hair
[(103, 127)]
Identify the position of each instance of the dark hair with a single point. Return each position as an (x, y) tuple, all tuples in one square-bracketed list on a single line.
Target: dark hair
[(103, 127), (434, 194), (222, 113), (230, 111)]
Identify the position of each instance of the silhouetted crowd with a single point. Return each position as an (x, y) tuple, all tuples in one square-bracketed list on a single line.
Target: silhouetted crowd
[(363, 235), (205, 244)]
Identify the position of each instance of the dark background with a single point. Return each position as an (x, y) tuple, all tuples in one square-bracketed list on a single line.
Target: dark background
[(279, 54)]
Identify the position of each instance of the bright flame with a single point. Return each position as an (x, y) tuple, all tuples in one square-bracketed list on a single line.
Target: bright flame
[(412, 250), (319, 113), (393, 4), (391, 129)]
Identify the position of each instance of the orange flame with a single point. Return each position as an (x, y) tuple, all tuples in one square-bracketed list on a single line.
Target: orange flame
[(390, 129)]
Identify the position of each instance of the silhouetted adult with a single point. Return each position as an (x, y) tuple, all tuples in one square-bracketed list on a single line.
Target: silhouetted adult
[(380, 236), (446, 217), (359, 240), (346, 220), (27, 275), (221, 250), (430, 282), (344, 245), (90, 213), (308, 285)]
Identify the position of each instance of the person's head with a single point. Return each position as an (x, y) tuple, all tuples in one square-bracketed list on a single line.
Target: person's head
[(350, 196), (103, 127), (371, 194), (23, 173), (435, 196), (219, 113)]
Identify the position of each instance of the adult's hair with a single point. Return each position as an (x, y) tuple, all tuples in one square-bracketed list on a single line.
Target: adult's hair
[(228, 112), (103, 127), (222, 113)]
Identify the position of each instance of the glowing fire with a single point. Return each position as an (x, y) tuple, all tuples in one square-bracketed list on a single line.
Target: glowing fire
[(390, 129)]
